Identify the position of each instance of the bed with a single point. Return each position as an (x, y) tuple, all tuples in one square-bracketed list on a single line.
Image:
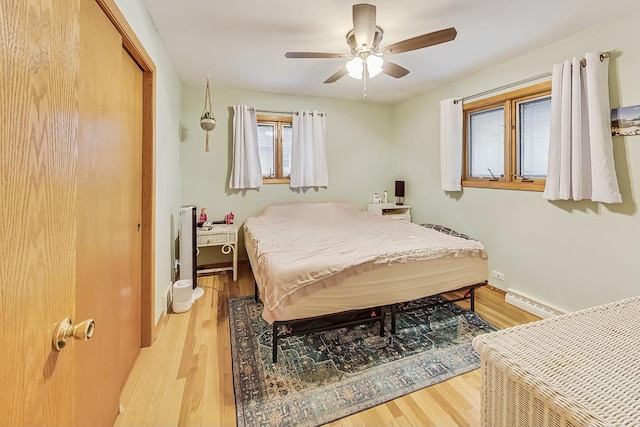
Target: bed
[(313, 260)]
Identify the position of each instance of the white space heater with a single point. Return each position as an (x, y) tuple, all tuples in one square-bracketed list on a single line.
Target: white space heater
[(188, 248)]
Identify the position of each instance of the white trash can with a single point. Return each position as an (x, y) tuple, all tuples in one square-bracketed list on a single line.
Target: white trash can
[(182, 295)]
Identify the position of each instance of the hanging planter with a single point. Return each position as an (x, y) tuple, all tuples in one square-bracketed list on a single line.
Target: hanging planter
[(207, 121)]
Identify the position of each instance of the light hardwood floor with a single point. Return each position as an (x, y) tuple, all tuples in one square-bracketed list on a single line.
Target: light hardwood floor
[(185, 378)]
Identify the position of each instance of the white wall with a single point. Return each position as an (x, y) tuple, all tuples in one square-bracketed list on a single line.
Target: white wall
[(568, 254), (358, 135), (168, 173)]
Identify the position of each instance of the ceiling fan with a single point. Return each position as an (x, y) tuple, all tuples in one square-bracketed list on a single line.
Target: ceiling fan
[(366, 54)]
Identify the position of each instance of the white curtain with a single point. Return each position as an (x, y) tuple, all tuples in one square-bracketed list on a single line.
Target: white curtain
[(580, 146), (309, 150), (451, 144), (245, 169)]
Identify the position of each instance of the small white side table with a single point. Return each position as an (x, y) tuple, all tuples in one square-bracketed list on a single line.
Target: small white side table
[(391, 210), (225, 235)]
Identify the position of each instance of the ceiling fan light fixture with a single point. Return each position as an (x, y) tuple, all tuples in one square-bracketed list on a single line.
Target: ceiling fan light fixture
[(374, 65), (354, 67), (364, 41)]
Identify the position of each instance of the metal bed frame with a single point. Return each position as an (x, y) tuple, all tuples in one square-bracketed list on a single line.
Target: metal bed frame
[(355, 317)]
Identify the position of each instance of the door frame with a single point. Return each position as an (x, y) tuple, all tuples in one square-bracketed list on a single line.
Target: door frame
[(134, 47)]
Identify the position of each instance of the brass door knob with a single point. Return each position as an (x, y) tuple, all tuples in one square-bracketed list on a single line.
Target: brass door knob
[(66, 330)]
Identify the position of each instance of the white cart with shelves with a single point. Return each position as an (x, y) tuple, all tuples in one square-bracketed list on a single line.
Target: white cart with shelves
[(225, 235)]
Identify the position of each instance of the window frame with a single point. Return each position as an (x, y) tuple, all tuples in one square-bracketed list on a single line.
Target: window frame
[(279, 122), (508, 101)]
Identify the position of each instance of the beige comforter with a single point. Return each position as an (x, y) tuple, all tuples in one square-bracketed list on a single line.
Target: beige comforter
[(300, 246)]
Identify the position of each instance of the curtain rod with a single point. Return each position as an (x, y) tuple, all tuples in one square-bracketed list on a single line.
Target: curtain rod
[(583, 62), (260, 110), (270, 111)]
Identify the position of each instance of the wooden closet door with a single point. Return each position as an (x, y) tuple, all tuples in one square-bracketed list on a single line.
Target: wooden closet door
[(99, 212), (109, 210), (130, 250), (68, 223), (38, 95)]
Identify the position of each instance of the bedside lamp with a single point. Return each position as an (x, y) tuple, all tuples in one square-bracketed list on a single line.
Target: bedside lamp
[(399, 192)]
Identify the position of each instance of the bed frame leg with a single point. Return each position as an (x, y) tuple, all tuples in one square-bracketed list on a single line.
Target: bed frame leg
[(381, 321), (473, 299), (274, 351), (393, 319), (255, 291)]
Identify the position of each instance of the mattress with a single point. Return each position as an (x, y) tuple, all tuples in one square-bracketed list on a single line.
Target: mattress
[(579, 369), (403, 271)]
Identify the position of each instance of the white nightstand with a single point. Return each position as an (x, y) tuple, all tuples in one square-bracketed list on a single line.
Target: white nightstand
[(391, 210), (225, 235)]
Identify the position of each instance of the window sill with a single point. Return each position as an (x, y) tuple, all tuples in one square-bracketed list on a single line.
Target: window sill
[(536, 185), (276, 180)]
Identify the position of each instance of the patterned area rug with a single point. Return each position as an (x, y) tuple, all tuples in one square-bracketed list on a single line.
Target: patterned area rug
[(321, 377)]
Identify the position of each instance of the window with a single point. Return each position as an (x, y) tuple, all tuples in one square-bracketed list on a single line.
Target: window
[(507, 139), (274, 147)]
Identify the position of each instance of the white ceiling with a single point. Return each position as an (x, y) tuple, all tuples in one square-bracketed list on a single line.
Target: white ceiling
[(241, 43)]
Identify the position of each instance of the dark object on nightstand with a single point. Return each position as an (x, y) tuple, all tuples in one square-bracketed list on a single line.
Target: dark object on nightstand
[(399, 192)]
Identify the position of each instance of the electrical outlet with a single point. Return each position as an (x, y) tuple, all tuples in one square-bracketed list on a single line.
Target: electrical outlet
[(498, 275)]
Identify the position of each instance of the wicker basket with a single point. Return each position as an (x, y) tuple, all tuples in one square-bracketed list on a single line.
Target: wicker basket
[(579, 369)]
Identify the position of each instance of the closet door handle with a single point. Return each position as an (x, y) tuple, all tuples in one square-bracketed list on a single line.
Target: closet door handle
[(66, 330)]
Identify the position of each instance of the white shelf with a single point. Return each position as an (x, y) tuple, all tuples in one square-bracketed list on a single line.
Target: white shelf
[(391, 210)]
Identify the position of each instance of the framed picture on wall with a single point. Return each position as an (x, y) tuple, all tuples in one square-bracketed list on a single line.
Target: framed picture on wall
[(625, 121)]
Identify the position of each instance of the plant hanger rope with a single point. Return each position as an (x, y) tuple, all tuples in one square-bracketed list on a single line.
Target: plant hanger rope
[(207, 98), (207, 121)]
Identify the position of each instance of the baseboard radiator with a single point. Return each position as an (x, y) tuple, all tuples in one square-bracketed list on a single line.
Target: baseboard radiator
[(530, 305)]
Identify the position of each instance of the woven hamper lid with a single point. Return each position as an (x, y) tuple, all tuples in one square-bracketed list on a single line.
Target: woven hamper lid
[(587, 362)]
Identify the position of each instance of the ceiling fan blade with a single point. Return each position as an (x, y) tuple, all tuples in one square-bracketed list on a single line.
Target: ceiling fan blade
[(364, 23), (394, 70), (314, 55), (419, 42), (337, 75)]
